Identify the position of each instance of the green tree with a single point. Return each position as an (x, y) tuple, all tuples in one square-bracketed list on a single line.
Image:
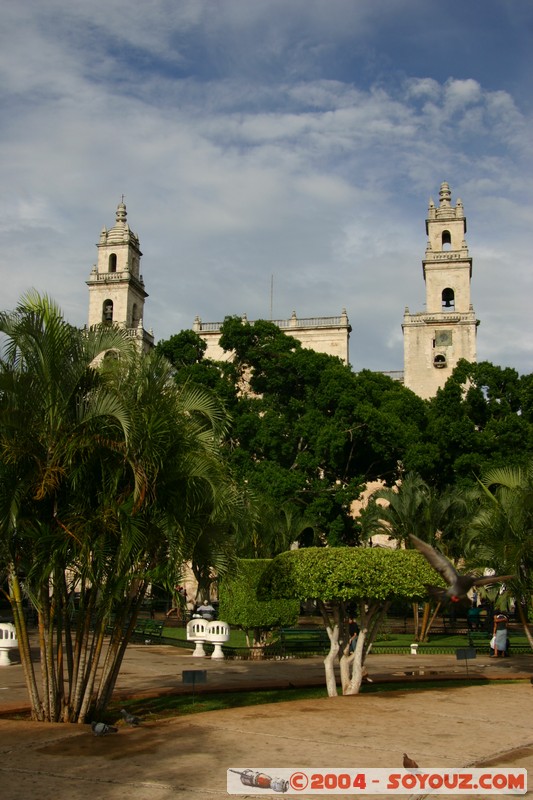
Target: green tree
[(186, 352), (240, 606), (104, 461), (308, 430), (478, 421), (184, 349), (370, 578)]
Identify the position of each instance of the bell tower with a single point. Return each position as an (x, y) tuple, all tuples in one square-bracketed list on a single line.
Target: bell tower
[(437, 338), (116, 286)]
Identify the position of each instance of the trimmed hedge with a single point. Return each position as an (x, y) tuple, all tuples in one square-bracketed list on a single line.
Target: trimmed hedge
[(239, 605)]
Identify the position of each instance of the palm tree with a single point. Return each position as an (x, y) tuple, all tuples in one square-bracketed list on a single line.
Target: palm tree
[(271, 528), (404, 511), (416, 507), (104, 462), (501, 535), (52, 403)]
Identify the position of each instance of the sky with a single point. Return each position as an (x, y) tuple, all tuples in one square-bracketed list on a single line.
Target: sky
[(273, 156)]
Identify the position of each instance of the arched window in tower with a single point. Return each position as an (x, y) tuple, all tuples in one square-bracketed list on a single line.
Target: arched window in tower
[(446, 240), (107, 312), (113, 262), (448, 300), (134, 316)]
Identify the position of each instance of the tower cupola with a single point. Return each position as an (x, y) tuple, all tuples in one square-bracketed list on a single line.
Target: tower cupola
[(437, 338), (116, 286)]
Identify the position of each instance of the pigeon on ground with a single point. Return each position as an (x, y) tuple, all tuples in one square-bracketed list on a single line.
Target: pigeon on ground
[(101, 729), (409, 763), (130, 719), (458, 585)]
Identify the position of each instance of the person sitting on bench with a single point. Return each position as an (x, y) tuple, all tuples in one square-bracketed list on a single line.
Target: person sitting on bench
[(206, 610)]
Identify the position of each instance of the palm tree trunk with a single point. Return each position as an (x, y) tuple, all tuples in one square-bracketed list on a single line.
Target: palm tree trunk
[(425, 632), (415, 621), (525, 624), (50, 662), (83, 633), (112, 669), (89, 684), (15, 599), (42, 622)]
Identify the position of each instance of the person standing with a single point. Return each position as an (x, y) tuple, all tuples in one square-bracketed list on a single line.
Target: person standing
[(500, 635), (353, 631), (473, 618), (180, 600)]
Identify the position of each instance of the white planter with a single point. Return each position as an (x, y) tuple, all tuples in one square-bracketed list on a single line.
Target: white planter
[(217, 632), (196, 632), (8, 641)]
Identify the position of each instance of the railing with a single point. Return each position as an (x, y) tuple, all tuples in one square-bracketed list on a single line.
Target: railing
[(292, 322), (312, 322), (394, 374), (447, 255)]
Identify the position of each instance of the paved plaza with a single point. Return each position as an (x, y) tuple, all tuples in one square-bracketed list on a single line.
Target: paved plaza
[(485, 725)]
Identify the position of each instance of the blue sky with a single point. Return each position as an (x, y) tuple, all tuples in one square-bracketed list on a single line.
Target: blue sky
[(294, 142)]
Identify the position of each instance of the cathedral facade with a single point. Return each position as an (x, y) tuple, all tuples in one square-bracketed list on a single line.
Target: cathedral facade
[(330, 335), (434, 339)]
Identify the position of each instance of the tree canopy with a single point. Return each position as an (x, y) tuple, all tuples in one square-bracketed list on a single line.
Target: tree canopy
[(482, 418), (368, 579), (348, 573)]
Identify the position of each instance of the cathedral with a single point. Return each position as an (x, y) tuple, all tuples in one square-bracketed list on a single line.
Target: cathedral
[(434, 339)]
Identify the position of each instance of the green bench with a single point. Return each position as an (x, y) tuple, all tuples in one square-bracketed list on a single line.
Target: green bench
[(148, 628), (480, 640), (143, 627), (302, 641)]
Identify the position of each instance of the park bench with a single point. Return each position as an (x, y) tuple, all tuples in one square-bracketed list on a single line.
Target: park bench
[(302, 641), (148, 628), (479, 639)]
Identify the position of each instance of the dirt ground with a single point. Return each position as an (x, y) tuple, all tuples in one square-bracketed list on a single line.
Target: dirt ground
[(188, 757)]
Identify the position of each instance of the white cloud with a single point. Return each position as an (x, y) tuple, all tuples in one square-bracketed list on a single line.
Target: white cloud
[(252, 143), (458, 95)]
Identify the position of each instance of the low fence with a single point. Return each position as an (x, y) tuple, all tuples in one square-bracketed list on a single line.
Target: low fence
[(295, 643)]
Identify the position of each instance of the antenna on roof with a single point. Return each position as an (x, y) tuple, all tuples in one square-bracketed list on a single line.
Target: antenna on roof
[(271, 295)]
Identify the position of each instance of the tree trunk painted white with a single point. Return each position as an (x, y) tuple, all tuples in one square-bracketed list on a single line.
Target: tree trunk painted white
[(370, 617), (329, 661), (355, 661)]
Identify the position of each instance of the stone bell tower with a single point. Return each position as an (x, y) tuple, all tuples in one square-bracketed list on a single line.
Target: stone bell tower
[(437, 338), (116, 286)]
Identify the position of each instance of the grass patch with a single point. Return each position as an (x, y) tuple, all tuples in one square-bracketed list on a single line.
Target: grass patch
[(152, 709), (392, 640), (155, 708)]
